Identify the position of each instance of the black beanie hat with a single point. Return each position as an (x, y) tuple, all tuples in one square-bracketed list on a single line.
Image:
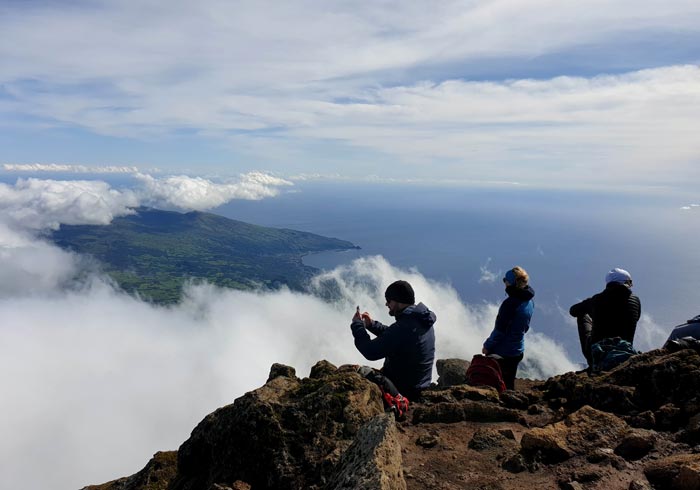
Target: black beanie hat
[(401, 292)]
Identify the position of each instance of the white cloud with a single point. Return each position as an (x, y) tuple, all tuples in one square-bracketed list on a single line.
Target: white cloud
[(649, 334), (37, 204), (196, 193), (101, 380), (29, 266), (45, 204), (390, 81), (486, 274), (68, 168)]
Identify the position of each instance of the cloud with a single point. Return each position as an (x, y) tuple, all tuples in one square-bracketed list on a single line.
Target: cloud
[(45, 204), (354, 93), (486, 274), (29, 266), (37, 204), (196, 193), (59, 167), (102, 380), (649, 335)]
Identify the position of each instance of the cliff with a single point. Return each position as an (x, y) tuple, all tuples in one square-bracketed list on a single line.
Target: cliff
[(636, 427)]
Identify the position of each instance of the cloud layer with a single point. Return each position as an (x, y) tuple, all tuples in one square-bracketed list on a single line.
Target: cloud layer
[(101, 380), (38, 204), (467, 90)]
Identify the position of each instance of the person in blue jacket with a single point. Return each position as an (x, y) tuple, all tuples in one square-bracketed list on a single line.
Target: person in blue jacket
[(407, 346), (507, 340)]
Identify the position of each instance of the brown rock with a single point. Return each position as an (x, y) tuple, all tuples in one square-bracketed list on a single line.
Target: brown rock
[(475, 393), (549, 443), (277, 370), (515, 399), (665, 473), (644, 420), (668, 417), (639, 485), (484, 439), (427, 440), (636, 444), (373, 461), (515, 464), (156, 475), (688, 477), (464, 411), (647, 381), (284, 435), (580, 433), (322, 369), (451, 372)]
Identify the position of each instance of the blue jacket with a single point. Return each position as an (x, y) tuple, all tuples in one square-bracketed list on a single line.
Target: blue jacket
[(407, 346), (513, 320)]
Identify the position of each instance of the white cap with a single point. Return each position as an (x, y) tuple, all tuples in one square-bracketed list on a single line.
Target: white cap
[(617, 275)]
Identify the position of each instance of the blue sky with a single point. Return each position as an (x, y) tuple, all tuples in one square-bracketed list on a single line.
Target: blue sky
[(552, 93)]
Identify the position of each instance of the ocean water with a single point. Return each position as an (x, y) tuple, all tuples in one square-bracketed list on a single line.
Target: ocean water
[(566, 240)]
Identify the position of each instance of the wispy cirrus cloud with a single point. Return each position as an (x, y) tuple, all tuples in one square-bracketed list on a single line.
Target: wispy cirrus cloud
[(465, 90), (68, 168)]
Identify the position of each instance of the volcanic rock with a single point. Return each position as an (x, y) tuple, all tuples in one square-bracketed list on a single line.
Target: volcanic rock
[(451, 372), (373, 461), (287, 434)]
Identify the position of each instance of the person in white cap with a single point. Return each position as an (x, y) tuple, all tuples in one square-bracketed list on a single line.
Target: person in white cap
[(614, 312)]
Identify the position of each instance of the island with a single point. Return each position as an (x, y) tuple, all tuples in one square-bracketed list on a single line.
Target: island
[(153, 252)]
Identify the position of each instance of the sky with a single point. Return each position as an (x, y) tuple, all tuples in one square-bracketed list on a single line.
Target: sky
[(543, 92), (200, 103)]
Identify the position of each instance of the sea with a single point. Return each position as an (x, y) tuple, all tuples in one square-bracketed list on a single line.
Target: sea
[(468, 237)]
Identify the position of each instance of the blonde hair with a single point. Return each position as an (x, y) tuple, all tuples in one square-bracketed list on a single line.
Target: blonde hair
[(521, 277)]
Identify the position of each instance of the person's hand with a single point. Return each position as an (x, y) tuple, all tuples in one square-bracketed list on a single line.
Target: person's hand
[(367, 319), (484, 351), (357, 316)]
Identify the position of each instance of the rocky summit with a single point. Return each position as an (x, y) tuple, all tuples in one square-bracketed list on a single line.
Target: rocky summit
[(636, 427)]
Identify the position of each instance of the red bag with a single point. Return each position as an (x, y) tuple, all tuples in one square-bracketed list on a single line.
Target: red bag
[(485, 371)]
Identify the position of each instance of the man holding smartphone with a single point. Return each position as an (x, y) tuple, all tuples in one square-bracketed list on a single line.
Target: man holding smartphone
[(407, 346)]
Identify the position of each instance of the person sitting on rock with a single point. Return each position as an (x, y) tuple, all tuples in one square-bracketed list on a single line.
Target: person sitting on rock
[(614, 312), (507, 340), (407, 346)]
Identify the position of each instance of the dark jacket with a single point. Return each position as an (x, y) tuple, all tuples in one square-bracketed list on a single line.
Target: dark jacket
[(615, 312), (407, 346), (513, 320)]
